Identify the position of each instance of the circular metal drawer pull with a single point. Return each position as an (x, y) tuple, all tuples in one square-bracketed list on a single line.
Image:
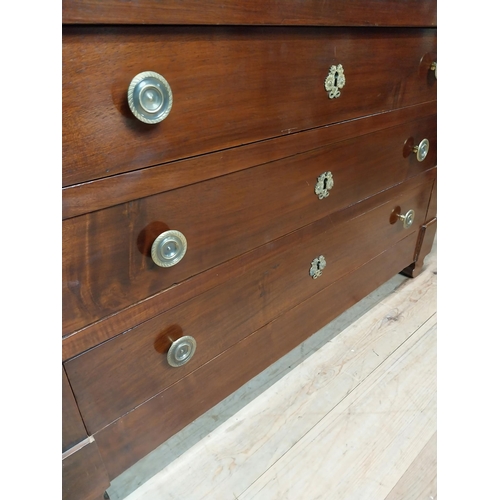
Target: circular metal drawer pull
[(324, 184), (407, 218), (317, 266), (434, 67), (181, 351), (169, 248), (149, 97), (422, 149), (335, 81)]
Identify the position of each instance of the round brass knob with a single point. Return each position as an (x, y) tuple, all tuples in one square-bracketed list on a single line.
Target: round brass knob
[(407, 218), (169, 248), (149, 97), (422, 149), (181, 351)]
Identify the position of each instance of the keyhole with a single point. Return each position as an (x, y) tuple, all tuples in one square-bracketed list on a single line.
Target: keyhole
[(325, 183), (336, 77)]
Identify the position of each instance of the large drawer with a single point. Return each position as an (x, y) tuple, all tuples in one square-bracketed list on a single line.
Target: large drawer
[(140, 431), (230, 86), (119, 375), (107, 263)]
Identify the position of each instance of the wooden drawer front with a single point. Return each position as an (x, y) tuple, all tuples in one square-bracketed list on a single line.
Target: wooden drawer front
[(117, 376), (230, 85), (106, 254), (142, 430), (285, 12)]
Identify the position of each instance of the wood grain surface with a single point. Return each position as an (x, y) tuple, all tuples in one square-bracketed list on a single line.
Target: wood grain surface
[(231, 86), (107, 264), (419, 482), (110, 380), (290, 12), (84, 476), (390, 416), (145, 428), (237, 443), (73, 430), (103, 193)]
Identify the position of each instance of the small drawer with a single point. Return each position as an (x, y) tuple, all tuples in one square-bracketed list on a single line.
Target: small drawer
[(119, 375), (225, 86), (107, 255)]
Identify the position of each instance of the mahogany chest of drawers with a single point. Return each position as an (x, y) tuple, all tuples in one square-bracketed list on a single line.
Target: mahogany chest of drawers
[(235, 176)]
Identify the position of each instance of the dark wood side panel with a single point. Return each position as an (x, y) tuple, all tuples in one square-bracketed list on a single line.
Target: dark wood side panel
[(106, 254), (84, 476), (285, 12), (423, 248), (139, 432), (231, 86), (119, 375), (73, 430), (426, 236), (429, 229), (433, 205)]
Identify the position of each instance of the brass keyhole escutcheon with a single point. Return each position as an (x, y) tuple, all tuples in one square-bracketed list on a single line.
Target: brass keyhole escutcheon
[(323, 185), (335, 81), (317, 266)]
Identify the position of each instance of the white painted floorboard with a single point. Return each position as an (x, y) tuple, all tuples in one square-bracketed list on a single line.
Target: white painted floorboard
[(350, 414)]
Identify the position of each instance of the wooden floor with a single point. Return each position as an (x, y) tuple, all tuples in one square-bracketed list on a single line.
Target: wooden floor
[(348, 415)]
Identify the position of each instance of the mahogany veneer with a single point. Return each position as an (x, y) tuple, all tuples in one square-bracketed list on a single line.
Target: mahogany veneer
[(291, 12), (109, 379), (234, 167), (110, 275), (230, 86)]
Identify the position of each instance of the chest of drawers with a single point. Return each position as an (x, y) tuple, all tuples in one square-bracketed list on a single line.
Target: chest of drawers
[(234, 178)]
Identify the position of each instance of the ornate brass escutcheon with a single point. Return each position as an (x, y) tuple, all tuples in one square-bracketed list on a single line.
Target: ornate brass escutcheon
[(324, 184), (317, 266), (335, 81)]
